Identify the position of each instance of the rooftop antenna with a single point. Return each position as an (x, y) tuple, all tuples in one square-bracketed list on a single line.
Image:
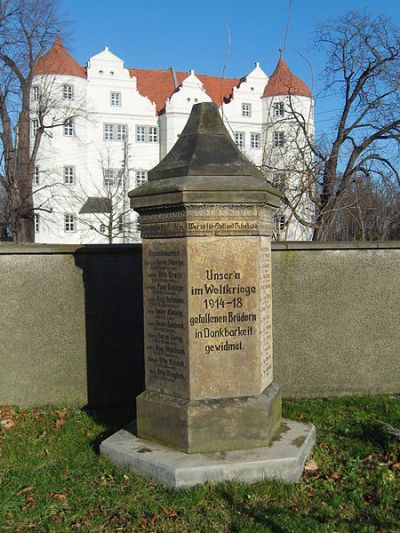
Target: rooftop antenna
[(281, 50)]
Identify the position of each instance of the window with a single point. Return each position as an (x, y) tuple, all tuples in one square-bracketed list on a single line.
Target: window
[(69, 175), (153, 134), (121, 132), (279, 109), (140, 134), (115, 132), (278, 139), (120, 223), (108, 132), (281, 223), (68, 91), (108, 174), (279, 181), (35, 126), (35, 92), (246, 110), (36, 221), (141, 177), (36, 176), (69, 223), (255, 140), (239, 138), (116, 99), (69, 128), (111, 176)]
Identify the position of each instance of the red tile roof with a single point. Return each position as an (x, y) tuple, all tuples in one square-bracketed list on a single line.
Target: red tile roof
[(58, 61), (158, 85), (283, 82)]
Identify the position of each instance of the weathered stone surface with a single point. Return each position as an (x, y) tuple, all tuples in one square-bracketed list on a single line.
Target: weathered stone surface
[(284, 459), (206, 302), (210, 425)]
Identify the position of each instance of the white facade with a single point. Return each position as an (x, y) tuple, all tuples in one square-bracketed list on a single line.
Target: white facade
[(118, 134)]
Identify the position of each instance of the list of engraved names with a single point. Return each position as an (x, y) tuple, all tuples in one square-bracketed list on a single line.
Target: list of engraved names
[(165, 315)]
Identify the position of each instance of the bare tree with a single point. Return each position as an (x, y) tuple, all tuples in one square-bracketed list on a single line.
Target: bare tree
[(363, 60), (367, 211), (362, 78), (27, 28)]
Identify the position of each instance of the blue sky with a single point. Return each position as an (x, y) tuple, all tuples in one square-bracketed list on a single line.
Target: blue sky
[(186, 35)]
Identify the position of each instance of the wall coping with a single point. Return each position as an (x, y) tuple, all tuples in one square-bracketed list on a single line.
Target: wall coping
[(334, 245), (68, 249), (65, 249)]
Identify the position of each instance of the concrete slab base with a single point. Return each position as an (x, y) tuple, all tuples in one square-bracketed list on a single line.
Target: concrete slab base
[(283, 459)]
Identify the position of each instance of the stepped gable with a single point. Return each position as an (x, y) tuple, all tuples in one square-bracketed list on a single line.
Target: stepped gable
[(58, 61), (284, 82), (158, 85)]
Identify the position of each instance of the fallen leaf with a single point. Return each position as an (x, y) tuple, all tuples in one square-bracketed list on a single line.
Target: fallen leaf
[(25, 489), (30, 502), (57, 517), (58, 496), (7, 423), (335, 476), (310, 493), (170, 513), (311, 466), (60, 420), (396, 467)]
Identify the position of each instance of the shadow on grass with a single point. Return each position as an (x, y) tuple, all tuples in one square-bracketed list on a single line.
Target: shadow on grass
[(261, 515), (113, 419)]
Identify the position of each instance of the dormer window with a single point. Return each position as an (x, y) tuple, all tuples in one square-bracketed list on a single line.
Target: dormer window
[(68, 91), (115, 99), (246, 110), (279, 109)]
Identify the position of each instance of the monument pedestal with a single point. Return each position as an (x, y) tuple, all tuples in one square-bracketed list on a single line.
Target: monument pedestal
[(283, 459), (209, 425), (210, 409)]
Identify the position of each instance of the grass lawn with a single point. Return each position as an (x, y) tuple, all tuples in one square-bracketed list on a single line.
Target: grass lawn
[(52, 478)]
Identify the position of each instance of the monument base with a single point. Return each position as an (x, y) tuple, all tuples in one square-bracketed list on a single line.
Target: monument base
[(283, 459), (209, 425)]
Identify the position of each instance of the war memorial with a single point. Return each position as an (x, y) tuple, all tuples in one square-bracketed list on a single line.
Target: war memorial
[(211, 410)]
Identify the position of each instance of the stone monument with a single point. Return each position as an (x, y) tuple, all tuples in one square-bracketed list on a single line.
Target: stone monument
[(211, 410)]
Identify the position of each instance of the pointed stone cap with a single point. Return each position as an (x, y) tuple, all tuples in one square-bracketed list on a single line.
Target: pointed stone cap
[(204, 165), (204, 148)]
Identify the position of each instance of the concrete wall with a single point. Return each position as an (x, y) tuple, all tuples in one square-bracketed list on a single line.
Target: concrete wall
[(71, 327), (336, 318)]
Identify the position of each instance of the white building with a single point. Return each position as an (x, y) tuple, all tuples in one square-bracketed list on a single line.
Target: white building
[(123, 121)]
